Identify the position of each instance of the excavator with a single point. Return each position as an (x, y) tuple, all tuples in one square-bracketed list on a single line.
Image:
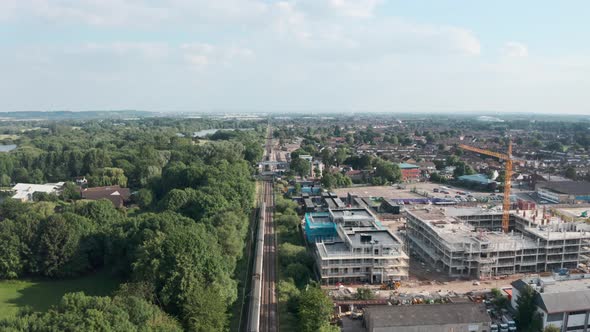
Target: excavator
[(391, 285), (507, 178)]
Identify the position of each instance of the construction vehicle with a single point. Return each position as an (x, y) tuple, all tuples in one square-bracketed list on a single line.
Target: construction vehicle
[(507, 178), (391, 285)]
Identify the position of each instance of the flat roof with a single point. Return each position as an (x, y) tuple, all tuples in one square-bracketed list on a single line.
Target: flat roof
[(479, 178), (427, 314), (378, 236), (408, 166), (352, 214), (317, 218), (460, 233), (447, 224), (561, 295), (568, 187)]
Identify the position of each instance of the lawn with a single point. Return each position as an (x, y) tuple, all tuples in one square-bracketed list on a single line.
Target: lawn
[(42, 294)]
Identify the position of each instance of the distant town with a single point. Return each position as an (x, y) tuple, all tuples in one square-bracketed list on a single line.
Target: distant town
[(276, 222)]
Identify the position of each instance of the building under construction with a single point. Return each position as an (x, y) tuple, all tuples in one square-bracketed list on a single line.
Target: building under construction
[(470, 242), (350, 246)]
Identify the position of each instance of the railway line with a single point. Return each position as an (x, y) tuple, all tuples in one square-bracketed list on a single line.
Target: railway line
[(269, 312), (263, 309)]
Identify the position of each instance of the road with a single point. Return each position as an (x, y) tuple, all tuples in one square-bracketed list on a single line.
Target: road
[(269, 306)]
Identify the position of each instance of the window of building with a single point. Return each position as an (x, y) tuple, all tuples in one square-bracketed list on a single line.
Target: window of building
[(554, 317), (577, 312)]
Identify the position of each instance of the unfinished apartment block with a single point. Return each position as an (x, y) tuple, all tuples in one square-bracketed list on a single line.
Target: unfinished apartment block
[(470, 242), (350, 246)]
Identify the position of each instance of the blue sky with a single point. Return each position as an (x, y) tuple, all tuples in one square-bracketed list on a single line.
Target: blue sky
[(296, 55)]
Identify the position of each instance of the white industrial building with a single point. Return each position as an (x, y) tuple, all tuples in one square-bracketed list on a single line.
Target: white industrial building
[(24, 191), (562, 301)]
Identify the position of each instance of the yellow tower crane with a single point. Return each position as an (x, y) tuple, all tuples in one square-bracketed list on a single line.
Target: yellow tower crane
[(507, 178)]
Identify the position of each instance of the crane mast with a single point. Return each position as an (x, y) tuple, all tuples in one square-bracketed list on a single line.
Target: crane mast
[(507, 178)]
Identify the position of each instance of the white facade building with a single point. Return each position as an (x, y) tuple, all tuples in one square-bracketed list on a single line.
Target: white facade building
[(24, 191), (562, 301)]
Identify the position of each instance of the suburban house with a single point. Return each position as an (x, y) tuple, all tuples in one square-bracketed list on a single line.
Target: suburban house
[(117, 195), (410, 172)]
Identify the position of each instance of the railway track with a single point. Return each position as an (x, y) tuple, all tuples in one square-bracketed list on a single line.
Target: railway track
[(268, 310), (263, 312)]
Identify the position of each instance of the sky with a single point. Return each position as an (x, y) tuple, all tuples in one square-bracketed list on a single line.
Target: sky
[(475, 56)]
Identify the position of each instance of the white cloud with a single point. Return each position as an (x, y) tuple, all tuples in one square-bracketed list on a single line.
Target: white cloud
[(131, 13), (323, 54), (355, 8), (514, 49), (148, 50), (200, 55)]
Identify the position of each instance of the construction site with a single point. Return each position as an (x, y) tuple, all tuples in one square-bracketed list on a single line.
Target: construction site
[(350, 246), (474, 243)]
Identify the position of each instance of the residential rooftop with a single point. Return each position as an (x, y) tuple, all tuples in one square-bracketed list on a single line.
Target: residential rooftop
[(408, 166)]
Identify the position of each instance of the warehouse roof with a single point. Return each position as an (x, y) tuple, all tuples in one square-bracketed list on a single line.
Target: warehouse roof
[(427, 314), (561, 295), (478, 178), (568, 187), (408, 166)]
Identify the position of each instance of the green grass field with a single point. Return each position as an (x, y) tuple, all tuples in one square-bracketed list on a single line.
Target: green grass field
[(42, 294)]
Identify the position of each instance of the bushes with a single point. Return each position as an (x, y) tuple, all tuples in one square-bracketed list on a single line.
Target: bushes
[(315, 310), (41, 242), (78, 312)]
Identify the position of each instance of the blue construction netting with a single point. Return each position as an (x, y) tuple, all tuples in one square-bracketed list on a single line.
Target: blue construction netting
[(318, 226), (306, 190)]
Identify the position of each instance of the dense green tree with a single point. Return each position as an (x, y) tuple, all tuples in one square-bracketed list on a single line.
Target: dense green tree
[(461, 169), (63, 248), (387, 171), (144, 198), (299, 273), (300, 166), (340, 155), (364, 294), (327, 157), (570, 173), (108, 176), (78, 312), (527, 318), (70, 191), (329, 181), (315, 309), (179, 263), (11, 266), (5, 180)]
